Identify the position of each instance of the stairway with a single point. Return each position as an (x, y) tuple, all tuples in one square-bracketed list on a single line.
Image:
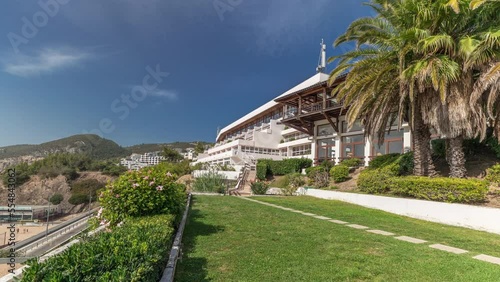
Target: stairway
[(243, 187)]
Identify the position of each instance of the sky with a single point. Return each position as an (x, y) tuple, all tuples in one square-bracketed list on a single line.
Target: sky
[(155, 71)]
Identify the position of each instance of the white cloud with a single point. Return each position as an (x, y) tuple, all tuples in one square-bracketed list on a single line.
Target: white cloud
[(45, 61), (163, 93)]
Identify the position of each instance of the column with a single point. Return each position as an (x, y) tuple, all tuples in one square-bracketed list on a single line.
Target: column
[(338, 148), (368, 149)]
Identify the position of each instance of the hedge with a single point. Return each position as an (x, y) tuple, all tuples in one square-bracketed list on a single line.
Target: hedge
[(354, 162), (493, 174), (259, 188), (136, 251), (283, 167), (453, 190), (339, 173)]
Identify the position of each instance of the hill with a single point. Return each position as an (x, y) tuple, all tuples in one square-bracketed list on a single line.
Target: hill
[(146, 148), (90, 144)]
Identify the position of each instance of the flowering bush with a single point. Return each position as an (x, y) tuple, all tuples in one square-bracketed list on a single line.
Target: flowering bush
[(148, 191)]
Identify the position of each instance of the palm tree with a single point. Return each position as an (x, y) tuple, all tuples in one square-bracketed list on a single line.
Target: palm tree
[(374, 88), (454, 50), (436, 53)]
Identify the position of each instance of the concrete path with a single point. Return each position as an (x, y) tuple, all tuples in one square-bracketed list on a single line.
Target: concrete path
[(449, 249)]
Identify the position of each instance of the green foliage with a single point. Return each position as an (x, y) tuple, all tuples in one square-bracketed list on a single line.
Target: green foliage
[(375, 181), (227, 168), (453, 190), (78, 199), (179, 168), (136, 251), (171, 155), (23, 173), (261, 170), (339, 173), (311, 171), (87, 187), (70, 173), (259, 187), (438, 148), (149, 191), (494, 146), (353, 162), (493, 174), (281, 167), (406, 164), (200, 148), (321, 179), (383, 160), (56, 199), (211, 182), (296, 180), (327, 165)]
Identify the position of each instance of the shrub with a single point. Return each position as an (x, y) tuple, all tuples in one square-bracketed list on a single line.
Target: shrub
[(261, 170), (49, 172), (149, 191), (321, 179), (494, 146), (374, 181), (440, 189), (296, 180), (259, 188), (406, 164), (283, 167), (327, 165), (493, 174), (87, 187), (339, 173), (354, 162), (134, 252), (211, 182), (381, 161), (439, 148), (311, 171), (56, 199), (70, 173), (78, 199)]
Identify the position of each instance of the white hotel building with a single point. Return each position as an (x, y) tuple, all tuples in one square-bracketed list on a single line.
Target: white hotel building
[(304, 121)]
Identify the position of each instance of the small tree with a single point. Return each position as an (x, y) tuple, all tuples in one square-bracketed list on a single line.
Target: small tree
[(200, 148), (56, 199), (172, 155)]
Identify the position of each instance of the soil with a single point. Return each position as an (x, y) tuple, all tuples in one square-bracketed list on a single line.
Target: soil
[(37, 191)]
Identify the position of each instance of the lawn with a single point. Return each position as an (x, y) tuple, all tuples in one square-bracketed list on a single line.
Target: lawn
[(231, 239)]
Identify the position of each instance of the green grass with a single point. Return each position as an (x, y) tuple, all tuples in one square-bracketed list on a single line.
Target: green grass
[(230, 239)]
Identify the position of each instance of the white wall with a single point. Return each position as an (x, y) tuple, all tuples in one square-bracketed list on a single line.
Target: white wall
[(474, 217)]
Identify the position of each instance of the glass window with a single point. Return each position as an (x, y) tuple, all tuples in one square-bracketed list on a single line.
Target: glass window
[(325, 130), (353, 146), (355, 127), (326, 150)]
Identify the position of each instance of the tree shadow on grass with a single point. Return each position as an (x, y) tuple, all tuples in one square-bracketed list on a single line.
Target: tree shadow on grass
[(194, 268)]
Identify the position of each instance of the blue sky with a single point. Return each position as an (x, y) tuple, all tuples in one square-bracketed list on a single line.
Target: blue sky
[(68, 66)]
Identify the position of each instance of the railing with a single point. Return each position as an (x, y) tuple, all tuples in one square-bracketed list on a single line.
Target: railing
[(313, 108)]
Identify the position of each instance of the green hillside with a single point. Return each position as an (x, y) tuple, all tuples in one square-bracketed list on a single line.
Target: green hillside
[(89, 144), (146, 148)]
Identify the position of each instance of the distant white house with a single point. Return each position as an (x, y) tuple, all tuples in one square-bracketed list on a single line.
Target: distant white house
[(138, 161), (189, 154)]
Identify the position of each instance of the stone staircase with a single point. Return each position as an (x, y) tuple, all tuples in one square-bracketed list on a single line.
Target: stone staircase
[(247, 176)]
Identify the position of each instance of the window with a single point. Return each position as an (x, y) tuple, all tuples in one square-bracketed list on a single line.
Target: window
[(325, 150), (353, 146), (301, 150), (325, 130), (355, 127), (393, 143)]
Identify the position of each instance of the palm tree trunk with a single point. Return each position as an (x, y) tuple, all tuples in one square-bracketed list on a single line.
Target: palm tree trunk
[(456, 158), (422, 162)]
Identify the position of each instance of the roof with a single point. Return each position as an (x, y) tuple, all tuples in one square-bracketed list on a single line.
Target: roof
[(312, 81)]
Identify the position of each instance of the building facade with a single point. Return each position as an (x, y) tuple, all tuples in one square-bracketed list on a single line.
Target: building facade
[(304, 122)]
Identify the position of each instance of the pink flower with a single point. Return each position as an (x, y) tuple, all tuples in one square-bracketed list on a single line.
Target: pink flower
[(169, 174), (159, 188), (117, 196), (135, 185), (151, 183), (146, 177)]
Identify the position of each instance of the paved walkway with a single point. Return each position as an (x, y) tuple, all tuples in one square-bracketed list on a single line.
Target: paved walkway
[(450, 249)]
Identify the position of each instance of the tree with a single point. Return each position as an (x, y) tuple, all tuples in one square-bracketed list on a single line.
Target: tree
[(422, 55), (56, 199), (171, 155), (200, 148), (374, 89)]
